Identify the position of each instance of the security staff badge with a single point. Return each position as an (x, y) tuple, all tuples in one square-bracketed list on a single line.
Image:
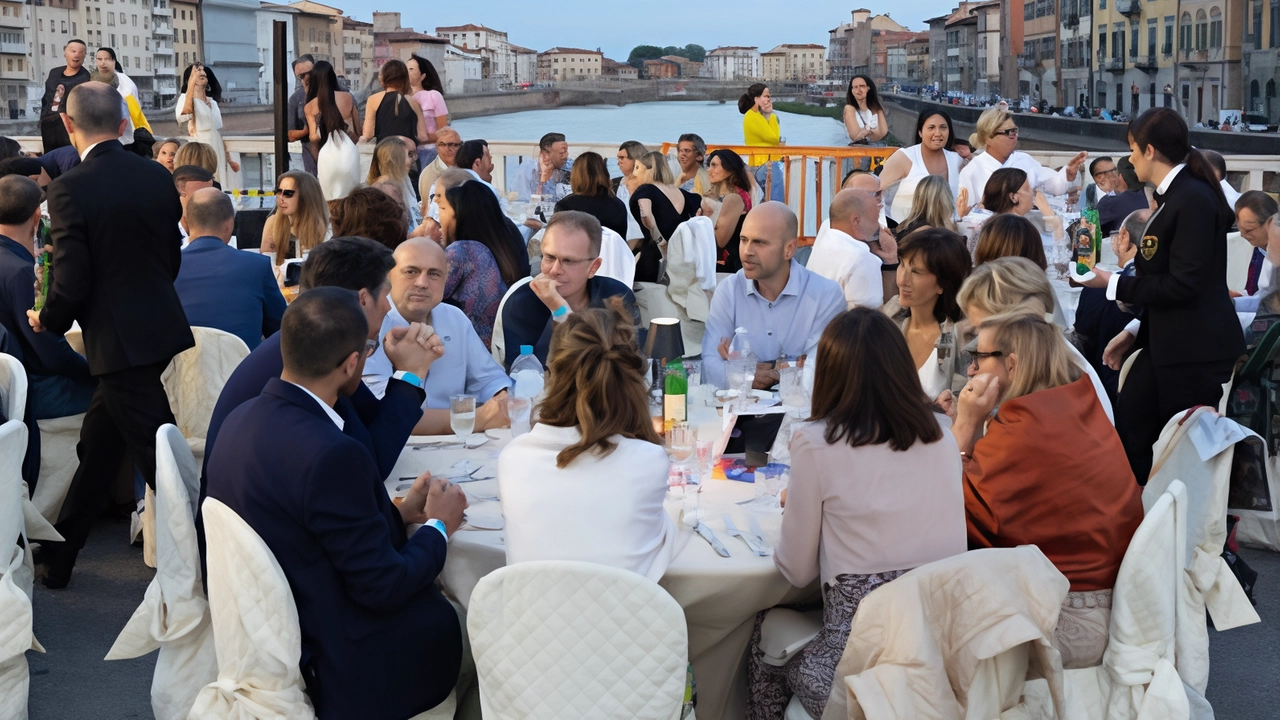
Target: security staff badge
[(1149, 245)]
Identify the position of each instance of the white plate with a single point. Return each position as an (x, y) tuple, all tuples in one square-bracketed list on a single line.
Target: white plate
[(484, 520), (498, 433)]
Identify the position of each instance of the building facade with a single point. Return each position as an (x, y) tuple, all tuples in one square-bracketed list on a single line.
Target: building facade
[(230, 34), (799, 62), (733, 63), (164, 82), (1261, 58), (268, 15), (565, 63), (987, 72), (1209, 71), (1075, 52), (357, 54), (1134, 55), (16, 71), (187, 45), (526, 65), (620, 70), (497, 58), (1038, 62), (463, 70), (55, 23)]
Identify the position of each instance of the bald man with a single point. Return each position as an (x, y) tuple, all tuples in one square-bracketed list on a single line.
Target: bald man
[(467, 367), (447, 143), (219, 286), (783, 306), (848, 253)]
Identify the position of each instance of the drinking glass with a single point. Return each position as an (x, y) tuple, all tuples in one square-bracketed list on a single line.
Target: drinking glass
[(680, 443), (769, 481), (518, 408), (462, 415), (704, 449), (791, 387)]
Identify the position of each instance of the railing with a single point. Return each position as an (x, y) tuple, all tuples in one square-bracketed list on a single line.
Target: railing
[(13, 48), (826, 164), (1129, 7), (1115, 64), (1145, 62)]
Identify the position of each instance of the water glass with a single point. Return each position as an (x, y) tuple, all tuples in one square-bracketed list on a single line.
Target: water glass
[(704, 449), (518, 408), (769, 481), (680, 443), (462, 415), (791, 387)]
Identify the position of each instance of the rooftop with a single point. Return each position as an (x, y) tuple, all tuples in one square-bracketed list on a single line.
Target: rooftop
[(309, 6), (469, 27), (520, 48), (728, 48), (402, 35), (571, 51)]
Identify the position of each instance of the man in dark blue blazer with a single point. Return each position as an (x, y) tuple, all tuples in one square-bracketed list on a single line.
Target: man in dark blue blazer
[(221, 287), (379, 640), (1098, 319)]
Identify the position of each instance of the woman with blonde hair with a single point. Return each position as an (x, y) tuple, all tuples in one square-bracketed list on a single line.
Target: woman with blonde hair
[(997, 137), (198, 154), (1016, 284), (931, 206), (1050, 471), (588, 481), (629, 155), (659, 206), (390, 165), (301, 219)]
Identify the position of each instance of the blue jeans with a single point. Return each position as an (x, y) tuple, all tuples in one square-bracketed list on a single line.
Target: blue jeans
[(778, 191), (56, 396)]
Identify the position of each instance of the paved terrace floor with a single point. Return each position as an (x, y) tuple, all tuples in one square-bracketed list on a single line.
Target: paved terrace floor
[(78, 625)]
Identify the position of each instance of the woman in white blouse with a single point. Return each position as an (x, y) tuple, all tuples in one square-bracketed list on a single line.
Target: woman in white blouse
[(931, 155), (863, 114), (588, 481), (197, 110), (997, 137)]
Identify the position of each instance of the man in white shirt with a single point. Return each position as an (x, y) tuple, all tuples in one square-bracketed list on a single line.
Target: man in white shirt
[(466, 368), (844, 251)]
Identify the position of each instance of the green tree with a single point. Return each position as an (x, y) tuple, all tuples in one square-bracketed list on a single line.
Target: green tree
[(640, 53), (696, 53)]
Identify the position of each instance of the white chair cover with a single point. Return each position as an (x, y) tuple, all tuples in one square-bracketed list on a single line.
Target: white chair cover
[(15, 586), (957, 638), (174, 615), (497, 345), (255, 627), (58, 463), (1210, 582), (13, 403), (560, 639), (617, 260), (194, 379)]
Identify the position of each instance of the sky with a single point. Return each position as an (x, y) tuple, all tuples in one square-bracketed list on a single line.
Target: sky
[(615, 27)]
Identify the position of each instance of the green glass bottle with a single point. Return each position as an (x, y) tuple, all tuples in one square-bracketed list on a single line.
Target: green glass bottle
[(675, 387), (1087, 244)]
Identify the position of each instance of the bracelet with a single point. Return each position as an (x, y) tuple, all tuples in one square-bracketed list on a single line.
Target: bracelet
[(560, 312), (885, 267)]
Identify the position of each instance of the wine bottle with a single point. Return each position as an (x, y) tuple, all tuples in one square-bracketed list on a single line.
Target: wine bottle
[(675, 398)]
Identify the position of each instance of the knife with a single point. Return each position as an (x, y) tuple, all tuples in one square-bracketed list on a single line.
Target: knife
[(710, 537), (758, 532), (750, 541)]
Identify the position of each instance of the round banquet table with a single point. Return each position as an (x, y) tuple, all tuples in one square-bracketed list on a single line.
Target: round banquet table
[(720, 596)]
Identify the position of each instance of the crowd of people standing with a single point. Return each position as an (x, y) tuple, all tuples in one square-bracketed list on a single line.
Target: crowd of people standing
[(951, 407)]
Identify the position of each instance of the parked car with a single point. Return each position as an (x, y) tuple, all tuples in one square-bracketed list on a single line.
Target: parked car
[(1257, 123)]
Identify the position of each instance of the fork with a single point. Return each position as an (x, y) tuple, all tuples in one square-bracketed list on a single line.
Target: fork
[(750, 541)]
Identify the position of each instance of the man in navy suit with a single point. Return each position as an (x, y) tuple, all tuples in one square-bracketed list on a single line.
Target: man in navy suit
[(1098, 319), (221, 287), (379, 640)]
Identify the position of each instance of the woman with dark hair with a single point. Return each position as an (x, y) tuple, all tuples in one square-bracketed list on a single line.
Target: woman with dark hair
[(863, 114), (1190, 336), (427, 89), (1008, 191), (731, 186), (933, 264), (875, 491), (1009, 235), (931, 155), (197, 111), (588, 481), (482, 264), (371, 213), (392, 111), (760, 127), (592, 195), (332, 117)]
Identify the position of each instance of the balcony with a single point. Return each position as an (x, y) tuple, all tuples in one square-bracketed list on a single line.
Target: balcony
[(1026, 62), (161, 11), (1115, 65), (15, 22), (1146, 63), (164, 71), (13, 48), (1129, 8), (1193, 56), (163, 30), (1071, 20), (351, 48), (162, 50)]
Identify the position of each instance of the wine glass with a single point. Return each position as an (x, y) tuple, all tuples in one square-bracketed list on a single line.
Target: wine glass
[(462, 415), (680, 442)]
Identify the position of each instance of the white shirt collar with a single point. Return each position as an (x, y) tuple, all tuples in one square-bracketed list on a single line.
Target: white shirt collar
[(88, 150), (858, 246), (1168, 179), (334, 416)]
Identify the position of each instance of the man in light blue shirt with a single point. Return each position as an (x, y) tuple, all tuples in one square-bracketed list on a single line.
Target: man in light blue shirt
[(545, 174), (783, 306), (466, 368)]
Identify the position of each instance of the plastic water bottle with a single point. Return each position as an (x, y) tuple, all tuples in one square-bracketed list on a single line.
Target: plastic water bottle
[(527, 378), (741, 367)]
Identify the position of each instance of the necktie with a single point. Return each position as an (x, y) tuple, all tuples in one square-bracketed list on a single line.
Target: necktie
[(1255, 270)]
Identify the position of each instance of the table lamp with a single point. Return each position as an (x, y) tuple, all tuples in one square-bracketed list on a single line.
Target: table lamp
[(664, 341)]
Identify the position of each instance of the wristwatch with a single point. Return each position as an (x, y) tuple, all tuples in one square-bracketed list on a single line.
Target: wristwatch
[(408, 377)]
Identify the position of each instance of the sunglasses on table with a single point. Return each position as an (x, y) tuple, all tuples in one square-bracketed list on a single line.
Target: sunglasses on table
[(286, 193)]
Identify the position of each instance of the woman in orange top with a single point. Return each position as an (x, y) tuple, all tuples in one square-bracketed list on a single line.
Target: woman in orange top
[(1050, 470)]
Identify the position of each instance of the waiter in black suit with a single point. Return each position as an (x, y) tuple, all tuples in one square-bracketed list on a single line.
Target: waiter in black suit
[(116, 250), (1189, 335)]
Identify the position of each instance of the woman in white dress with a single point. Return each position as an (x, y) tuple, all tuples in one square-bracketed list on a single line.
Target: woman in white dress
[(629, 155), (933, 264), (197, 109), (863, 115), (332, 117), (931, 155), (997, 137)]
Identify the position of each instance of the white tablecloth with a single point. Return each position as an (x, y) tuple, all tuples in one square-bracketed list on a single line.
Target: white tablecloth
[(720, 596)]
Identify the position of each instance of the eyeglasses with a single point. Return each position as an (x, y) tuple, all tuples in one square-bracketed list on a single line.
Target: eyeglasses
[(980, 356), (1104, 173), (454, 146), (566, 263), (286, 193), (1009, 133)]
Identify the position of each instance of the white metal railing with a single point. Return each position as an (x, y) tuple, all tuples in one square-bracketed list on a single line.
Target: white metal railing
[(507, 155)]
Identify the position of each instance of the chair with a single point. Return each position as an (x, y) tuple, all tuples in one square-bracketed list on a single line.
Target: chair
[(689, 269), (498, 344), (560, 639), (1210, 583), (618, 262), (956, 638), (15, 579), (255, 626), (174, 615), (194, 379), (13, 406), (1239, 253)]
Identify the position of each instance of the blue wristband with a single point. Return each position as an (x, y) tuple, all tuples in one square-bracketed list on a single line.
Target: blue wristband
[(560, 312), (438, 525)]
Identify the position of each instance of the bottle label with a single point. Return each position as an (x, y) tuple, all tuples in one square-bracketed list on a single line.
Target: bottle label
[(673, 408)]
